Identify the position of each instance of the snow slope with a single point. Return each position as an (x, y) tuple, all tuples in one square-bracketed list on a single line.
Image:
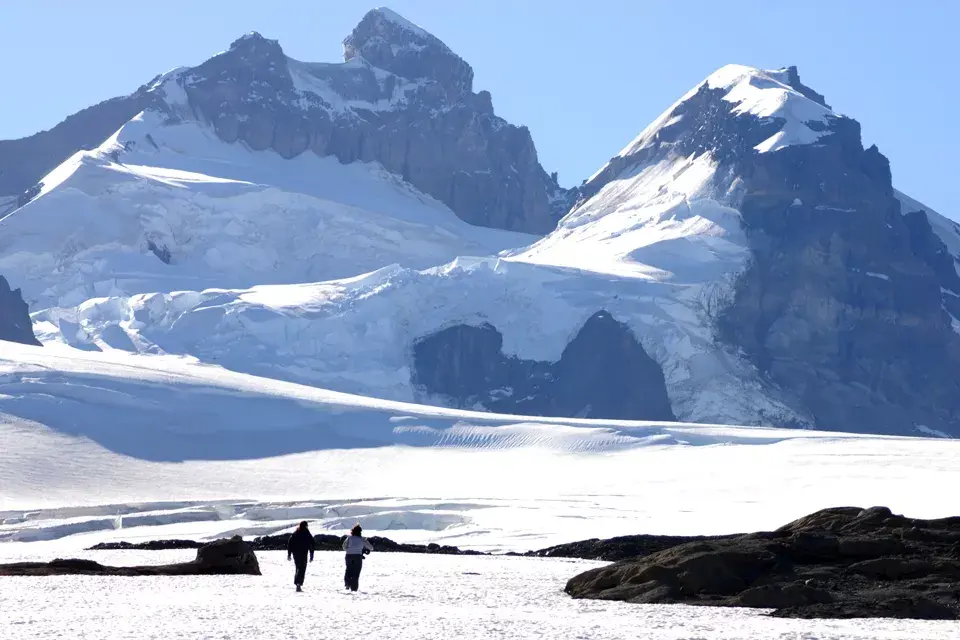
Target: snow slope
[(100, 446), (167, 207)]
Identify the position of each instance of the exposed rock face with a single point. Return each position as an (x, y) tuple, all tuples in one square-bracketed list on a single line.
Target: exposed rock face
[(837, 563), (401, 98), (15, 325), (844, 306), (845, 302), (603, 373), (620, 548), (223, 557)]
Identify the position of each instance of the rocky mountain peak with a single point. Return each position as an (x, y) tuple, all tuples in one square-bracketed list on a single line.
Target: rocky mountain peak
[(390, 42), (793, 79), (252, 49)]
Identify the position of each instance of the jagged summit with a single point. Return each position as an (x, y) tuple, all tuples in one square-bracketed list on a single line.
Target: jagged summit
[(793, 78), (390, 42), (253, 41), (764, 95), (402, 98)]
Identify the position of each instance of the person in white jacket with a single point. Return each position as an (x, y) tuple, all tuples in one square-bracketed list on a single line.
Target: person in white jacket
[(356, 547)]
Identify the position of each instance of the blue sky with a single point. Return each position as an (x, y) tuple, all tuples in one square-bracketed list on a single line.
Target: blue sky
[(586, 77)]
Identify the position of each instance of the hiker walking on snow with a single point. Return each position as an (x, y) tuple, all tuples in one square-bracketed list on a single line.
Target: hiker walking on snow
[(356, 547), (298, 547)]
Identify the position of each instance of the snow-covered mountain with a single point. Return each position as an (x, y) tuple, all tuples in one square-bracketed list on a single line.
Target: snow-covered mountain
[(357, 227)]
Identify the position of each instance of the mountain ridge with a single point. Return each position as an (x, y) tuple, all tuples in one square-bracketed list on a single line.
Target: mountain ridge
[(745, 244), (416, 114)]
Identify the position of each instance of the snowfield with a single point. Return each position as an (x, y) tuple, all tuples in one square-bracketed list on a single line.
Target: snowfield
[(168, 207), (401, 596), (106, 446)]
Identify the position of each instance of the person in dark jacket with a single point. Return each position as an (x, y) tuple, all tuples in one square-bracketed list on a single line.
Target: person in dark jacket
[(356, 547), (299, 546)]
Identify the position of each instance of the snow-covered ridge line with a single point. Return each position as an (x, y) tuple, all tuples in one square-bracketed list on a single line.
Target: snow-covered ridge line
[(402, 22), (762, 93)]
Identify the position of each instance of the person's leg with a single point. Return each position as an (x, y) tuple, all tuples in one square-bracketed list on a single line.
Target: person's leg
[(354, 563), (356, 576), (301, 571), (346, 574)]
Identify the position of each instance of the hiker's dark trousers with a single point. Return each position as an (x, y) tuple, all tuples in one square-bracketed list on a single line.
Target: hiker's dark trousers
[(301, 563), (351, 579)]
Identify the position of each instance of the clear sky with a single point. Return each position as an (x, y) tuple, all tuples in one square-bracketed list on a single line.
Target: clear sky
[(585, 75)]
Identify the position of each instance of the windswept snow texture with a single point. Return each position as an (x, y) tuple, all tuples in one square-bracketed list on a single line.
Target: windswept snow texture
[(113, 446), (168, 207), (401, 597)]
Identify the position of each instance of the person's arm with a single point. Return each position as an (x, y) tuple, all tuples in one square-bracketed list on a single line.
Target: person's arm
[(345, 541), (313, 546), (367, 545), (290, 547)]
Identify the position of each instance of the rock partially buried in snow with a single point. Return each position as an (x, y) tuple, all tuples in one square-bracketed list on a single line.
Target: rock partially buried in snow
[(843, 562), (230, 556), (604, 372), (15, 323)]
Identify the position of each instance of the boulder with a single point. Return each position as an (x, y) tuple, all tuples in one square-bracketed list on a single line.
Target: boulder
[(835, 563), (15, 324), (230, 556)]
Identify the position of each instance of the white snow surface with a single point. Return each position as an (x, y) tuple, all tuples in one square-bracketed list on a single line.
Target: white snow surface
[(106, 446), (228, 216), (401, 596)]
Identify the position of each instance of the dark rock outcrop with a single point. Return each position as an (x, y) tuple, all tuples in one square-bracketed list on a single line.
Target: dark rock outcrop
[(223, 557), (15, 324), (843, 304), (836, 563), (414, 112), (327, 542), (324, 542), (603, 372), (619, 548), (150, 545)]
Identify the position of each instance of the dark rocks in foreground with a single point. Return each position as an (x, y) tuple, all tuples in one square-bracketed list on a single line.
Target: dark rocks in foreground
[(230, 556), (619, 548), (324, 542), (327, 542), (152, 545), (843, 562)]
